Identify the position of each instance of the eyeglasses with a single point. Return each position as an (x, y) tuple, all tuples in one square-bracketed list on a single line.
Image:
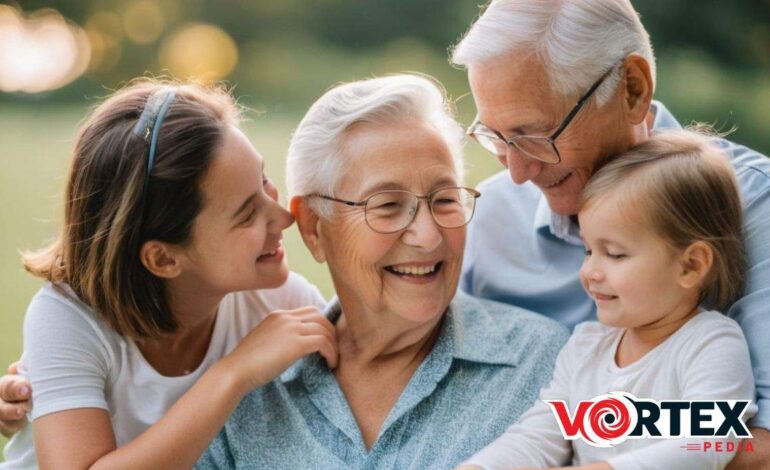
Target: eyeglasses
[(541, 148), (392, 211)]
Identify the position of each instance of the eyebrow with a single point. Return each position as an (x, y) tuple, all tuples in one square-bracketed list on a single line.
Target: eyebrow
[(390, 185), (245, 204)]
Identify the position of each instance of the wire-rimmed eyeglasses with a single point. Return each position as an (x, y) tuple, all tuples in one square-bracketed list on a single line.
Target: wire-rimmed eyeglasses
[(394, 210)]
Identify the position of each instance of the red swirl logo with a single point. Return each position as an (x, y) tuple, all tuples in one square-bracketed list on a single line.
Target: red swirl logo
[(609, 419), (604, 421)]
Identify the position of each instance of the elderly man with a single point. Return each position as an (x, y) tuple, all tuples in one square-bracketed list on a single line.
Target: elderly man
[(560, 87)]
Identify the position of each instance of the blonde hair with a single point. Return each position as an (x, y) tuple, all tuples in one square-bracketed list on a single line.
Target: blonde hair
[(690, 194), (108, 215)]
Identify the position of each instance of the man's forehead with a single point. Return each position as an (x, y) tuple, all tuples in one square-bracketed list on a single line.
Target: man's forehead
[(511, 96)]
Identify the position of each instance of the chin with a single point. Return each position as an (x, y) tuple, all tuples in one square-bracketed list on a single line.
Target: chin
[(608, 319), (421, 310), (563, 205), (273, 279)]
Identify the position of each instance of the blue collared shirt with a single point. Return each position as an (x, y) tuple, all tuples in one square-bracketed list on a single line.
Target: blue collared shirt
[(520, 252), (486, 368)]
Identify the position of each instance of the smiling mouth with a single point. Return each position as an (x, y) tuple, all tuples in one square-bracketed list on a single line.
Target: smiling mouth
[(558, 182), (415, 271), (274, 255), (603, 297)]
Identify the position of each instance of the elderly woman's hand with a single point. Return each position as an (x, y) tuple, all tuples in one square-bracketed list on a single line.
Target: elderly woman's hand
[(15, 401), (280, 340)]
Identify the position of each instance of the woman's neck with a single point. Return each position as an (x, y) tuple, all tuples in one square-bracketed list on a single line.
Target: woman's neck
[(182, 351), (378, 338), (379, 354)]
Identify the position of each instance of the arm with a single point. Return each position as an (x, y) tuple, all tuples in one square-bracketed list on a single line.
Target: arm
[(715, 366), (80, 439), (750, 311), (15, 394), (535, 440)]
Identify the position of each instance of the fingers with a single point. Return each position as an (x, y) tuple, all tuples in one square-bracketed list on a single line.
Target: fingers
[(324, 346), (9, 428), (14, 388), (11, 412), (13, 369), (309, 314)]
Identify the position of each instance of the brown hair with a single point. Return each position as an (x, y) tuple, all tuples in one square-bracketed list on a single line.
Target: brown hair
[(106, 216), (690, 194)]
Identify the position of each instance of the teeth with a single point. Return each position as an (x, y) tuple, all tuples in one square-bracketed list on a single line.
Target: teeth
[(414, 270)]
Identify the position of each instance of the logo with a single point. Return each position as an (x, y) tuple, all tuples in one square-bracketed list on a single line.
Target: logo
[(608, 420)]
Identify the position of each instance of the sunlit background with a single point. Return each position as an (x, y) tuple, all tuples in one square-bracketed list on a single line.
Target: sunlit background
[(57, 58)]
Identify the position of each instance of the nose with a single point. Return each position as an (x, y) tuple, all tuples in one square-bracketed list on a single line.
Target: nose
[(521, 166), (423, 232), (280, 219), (591, 270)]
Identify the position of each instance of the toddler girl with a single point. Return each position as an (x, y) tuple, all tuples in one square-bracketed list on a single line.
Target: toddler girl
[(662, 231)]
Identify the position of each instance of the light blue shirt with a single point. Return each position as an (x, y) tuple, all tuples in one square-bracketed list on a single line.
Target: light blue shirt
[(486, 368), (521, 253)]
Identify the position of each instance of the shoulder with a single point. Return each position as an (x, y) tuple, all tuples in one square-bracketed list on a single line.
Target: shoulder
[(712, 335), (504, 331), (55, 310), (752, 169)]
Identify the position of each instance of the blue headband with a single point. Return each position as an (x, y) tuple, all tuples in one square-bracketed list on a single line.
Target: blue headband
[(148, 126)]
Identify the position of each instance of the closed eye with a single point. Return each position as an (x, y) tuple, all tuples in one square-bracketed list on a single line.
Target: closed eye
[(250, 217)]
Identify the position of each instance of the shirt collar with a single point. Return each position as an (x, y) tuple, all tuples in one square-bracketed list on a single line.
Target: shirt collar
[(663, 119), (468, 332), (560, 226)]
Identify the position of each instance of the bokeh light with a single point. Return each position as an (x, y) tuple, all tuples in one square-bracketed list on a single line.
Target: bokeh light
[(143, 21), (105, 33), (199, 51), (41, 51)]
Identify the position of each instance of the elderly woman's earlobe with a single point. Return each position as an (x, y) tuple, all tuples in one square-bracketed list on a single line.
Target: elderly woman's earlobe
[(308, 223)]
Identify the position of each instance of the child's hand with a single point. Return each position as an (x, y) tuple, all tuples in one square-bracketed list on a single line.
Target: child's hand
[(280, 340)]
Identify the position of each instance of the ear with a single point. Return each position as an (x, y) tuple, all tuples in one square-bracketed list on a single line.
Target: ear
[(638, 87), (697, 260), (309, 225), (160, 259)]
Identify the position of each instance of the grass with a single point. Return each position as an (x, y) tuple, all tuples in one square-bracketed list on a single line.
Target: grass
[(36, 144)]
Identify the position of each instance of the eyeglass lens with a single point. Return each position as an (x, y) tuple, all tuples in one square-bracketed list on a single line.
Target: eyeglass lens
[(391, 211)]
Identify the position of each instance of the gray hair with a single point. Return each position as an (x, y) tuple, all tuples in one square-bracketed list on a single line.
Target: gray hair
[(575, 40), (316, 160)]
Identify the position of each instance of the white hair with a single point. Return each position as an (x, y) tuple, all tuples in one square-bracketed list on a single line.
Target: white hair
[(575, 40), (316, 160)]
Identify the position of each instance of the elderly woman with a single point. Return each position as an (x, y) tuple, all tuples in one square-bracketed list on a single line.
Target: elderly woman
[(426, 375)]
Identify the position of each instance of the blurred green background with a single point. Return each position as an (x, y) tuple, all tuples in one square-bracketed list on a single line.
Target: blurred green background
[(713, 56)]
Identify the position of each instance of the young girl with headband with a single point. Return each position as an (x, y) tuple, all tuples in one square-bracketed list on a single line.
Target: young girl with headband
[(155, 319), (661, 226)]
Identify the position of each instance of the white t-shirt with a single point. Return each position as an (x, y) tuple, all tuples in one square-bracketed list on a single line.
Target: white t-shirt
[(73, 359), (707, 359)]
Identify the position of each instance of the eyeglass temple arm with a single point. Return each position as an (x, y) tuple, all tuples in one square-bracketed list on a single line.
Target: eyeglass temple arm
[(581, 102)]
